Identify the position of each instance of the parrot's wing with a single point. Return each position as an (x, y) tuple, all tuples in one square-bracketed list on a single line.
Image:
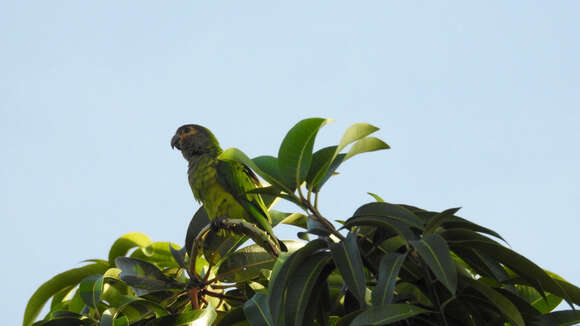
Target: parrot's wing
[(238, 179)]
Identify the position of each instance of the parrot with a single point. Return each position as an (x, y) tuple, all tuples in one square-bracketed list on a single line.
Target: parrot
[(221, 186)]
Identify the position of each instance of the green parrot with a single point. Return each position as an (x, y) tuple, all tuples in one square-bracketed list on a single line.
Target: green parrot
[(221, 186)]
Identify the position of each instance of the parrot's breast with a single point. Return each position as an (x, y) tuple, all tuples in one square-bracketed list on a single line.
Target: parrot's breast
[(206, 189)]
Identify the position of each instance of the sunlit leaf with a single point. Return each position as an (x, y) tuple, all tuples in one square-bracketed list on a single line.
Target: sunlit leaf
[(365, 145), (295, 153), (54, 285), (127, 242)]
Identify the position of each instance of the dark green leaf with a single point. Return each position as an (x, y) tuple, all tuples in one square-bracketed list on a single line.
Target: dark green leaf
[(257, 311), (439, 219), (144, 277), (248, 263), (387, 216), (91, 289), (321, 160), (388, 272), (196, 224), (232, 317), (435, 253), (127, 242), (349, 262), (557, 318), (499, 301), (315, 227), (526, 269), (295, 154), (386, 314), (54, 285), (409, 292), (302, 283), (178, 255), (280, 276)]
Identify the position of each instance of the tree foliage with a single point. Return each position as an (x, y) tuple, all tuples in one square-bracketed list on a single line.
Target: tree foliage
[(388, 264)]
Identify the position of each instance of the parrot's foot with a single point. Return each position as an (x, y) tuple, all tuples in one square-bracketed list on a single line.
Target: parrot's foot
[(218, 224)]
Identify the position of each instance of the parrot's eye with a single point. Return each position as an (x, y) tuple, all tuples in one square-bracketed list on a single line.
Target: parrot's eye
[(186, 130)]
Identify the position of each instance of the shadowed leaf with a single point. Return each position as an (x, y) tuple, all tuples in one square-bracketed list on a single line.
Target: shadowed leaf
[(349, 262), (435, 253)]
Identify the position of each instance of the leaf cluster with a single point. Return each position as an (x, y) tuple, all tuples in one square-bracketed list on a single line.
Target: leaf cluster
[(388, 264)]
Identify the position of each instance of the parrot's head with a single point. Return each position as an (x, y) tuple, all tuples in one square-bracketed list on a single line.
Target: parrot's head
[(193, 140)]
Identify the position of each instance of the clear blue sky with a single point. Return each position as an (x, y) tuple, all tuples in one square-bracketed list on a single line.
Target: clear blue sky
[(480, 103)]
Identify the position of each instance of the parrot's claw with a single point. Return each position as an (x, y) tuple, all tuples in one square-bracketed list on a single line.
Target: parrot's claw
[(218, 223)]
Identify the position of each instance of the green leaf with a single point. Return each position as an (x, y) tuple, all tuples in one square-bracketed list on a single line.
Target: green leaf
[(324, 158), (257, 311), (534, 298), (248, 263), (439, 219), (203, 317), (435, 253), (388, 216), (109, 319), (409, 292), (557, 318), (157, 253), (269, 165), (232, 317), (389, 268), (321, 160), (355, 132), (127, 242), (387, 314), (91, 288), (295, 219), (526, 269), (234, 154), (504, 305), (367, 144), (315, 227), (144, 277), (376, 197), (302, 284), (329, 172), (281, 274), (295, 154), (349, 262), (56, 284), (196, 224)]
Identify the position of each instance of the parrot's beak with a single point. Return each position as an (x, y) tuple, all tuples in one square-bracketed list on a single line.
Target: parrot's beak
[(175, 142)]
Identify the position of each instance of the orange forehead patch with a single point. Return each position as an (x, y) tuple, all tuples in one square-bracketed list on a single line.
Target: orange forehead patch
[(190, 132)]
